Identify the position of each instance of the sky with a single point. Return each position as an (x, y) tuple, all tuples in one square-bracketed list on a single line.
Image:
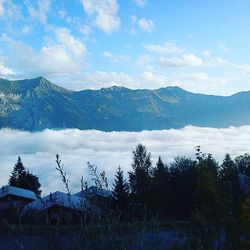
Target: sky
[(108, 150), (201, 46)]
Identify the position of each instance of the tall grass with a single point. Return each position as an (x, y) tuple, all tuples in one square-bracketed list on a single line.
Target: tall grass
[(104, 229)]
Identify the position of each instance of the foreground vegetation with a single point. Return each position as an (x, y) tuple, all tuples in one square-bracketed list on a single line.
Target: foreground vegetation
[(187, 204)]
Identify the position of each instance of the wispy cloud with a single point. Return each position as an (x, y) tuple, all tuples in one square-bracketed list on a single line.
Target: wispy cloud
[(40, 13), (146, 24), (166, 48), (186, 60), (140, 3), (115, 58)]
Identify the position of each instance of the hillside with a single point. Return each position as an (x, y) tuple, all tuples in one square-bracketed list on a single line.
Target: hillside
[(37, 104)]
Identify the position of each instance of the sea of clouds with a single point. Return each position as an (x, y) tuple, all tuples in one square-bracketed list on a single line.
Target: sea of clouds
[(108, 150)]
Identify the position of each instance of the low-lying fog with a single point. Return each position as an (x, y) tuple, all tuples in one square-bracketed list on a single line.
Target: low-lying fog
[(108, 150)]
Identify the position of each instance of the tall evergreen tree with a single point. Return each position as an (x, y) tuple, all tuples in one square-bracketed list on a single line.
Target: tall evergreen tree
[(229, 179), (140, 177), (183, 185), (22, 178), (17, 174), (121, 191), (160, 188), (208, 196), (231, 201)]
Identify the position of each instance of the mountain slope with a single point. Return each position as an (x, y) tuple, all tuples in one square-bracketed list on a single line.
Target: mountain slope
[(36, 104)]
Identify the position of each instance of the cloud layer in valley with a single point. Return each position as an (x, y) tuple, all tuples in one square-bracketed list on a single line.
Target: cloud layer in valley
[(108, 150)]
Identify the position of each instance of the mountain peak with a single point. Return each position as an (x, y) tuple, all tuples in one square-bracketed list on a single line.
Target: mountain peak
[(37, 85), (36, 104), (114, 88)]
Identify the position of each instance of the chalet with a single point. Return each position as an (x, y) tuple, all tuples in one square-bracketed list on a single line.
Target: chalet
[(59, 206), (98, 197), (15, 197)]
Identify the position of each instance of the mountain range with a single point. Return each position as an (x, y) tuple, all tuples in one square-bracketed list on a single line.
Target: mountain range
[(37, 104)]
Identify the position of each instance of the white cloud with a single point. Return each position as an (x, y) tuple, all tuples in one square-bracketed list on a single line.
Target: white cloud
[(1, 7), (86, 30), (146, 24), (41, 12), (194, 82), (76, 147), (99, 79), (244, 68), (65, 56), (70, 43), (186, 60), (199, 82), (166, 48), (115, 58), (10, 13), (104, 13), (140, 3), (4, 70)]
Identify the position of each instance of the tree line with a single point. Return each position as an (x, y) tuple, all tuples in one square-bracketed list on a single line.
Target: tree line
[(201, 191), (207, 194)]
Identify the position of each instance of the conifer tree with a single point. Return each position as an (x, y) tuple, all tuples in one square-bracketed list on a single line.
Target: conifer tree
[(160, 187), (22, 178), (140, 177), (17, 174), (121, 191)]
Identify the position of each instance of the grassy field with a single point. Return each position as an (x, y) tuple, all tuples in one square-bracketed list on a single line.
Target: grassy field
[(137, 235)]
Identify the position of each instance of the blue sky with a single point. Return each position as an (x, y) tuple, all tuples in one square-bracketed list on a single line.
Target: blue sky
[(201, 46)]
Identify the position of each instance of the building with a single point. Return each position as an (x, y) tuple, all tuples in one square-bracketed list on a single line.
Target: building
[(59, 206), (15, 197), (97, 197)]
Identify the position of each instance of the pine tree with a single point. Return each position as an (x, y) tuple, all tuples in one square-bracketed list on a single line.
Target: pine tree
[(183, 174), (160, 187), (17, 174), (140, 177), (120, 191), (231, 201), (22, 178), (230, 185), (160, 173), (208, 195)]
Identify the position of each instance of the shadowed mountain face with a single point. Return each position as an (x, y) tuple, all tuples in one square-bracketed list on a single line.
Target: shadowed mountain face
[(37, 104)]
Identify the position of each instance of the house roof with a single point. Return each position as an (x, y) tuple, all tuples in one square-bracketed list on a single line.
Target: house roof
[(15, 191), (94, 191), (56, 199)]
